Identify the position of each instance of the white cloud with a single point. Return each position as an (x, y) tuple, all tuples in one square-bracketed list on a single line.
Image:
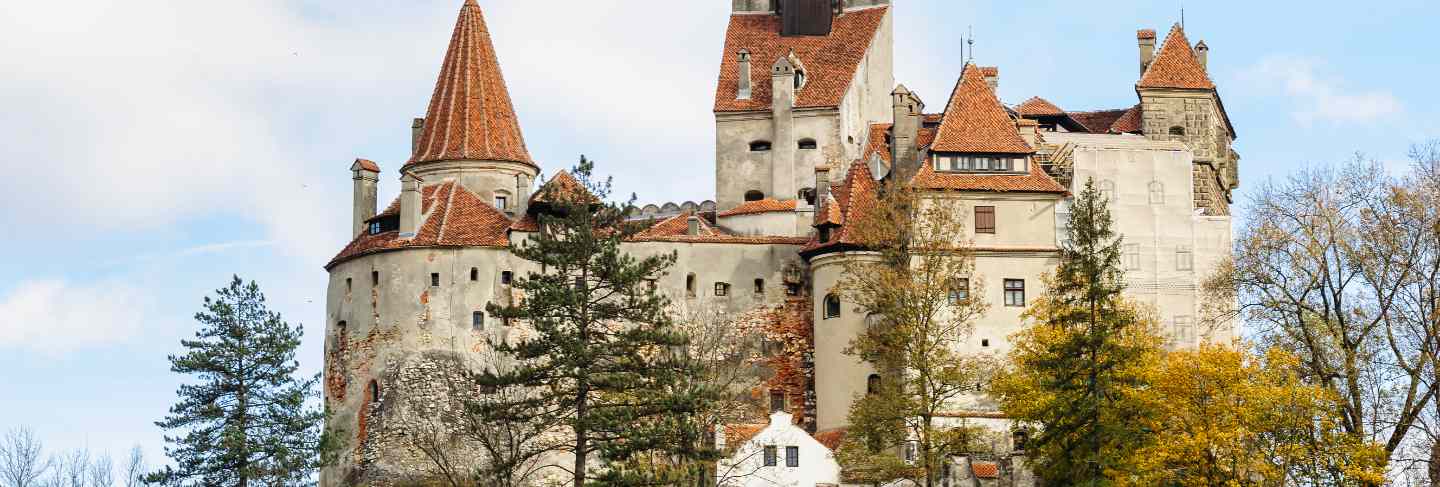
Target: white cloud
[(55, 317), (1323, 98)]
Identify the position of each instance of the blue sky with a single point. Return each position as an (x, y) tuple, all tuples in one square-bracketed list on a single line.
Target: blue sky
[(153, 148)]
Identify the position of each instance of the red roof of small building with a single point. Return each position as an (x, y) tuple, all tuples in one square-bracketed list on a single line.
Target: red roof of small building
[(450, 216), (1039, 107), (831, 438), (1176, 66), (767, 205), (676, 229), (830, 61), (847, 203), (470, 115), (738, 434), (985, 470), (367, 165), (1129, 122), (976, 122), (563, 187)]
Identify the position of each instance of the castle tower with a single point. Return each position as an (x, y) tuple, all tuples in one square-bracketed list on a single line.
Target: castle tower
[(1179, 102), (470, 131)]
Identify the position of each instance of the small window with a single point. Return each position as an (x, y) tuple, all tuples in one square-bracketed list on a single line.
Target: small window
[(832, 306), (1184, 258), (506, 277), (722, 289), (771, 456), (754, 195), (690, 285), (477, 320), (760, 146), (1184, 333), (792, 456), (1131, 257), (434, 279), (759, 286), (959, 291), (824, 234), (342, 335), (1157, 193), (374, 388), (872, 384), (985, 219), (1177, 130), (807, 144), (985, 342), (474, 274), (502, 202), (777, 400), (1014, 292), (1107, 191), (349, 285), (374, 228), (374, 278)]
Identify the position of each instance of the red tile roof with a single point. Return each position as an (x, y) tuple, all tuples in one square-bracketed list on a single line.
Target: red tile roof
[(990, 71), (1036, 181), (767, 205), (1039, 107), (1128, 123), (677, 229), (563, 187), (831, 61), (878, 143), (831, 438), (1099, 121), (367, 165), (451, 216), (848, 202), (985, 470), (975, 121), (1145, 34), (738, 434), (470, 115), (1176, 66)]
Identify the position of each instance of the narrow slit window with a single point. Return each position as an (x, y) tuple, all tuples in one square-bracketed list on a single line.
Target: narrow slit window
[(474, 274), (374, 392), (759, 286), (872, 384), (690, 285), (349, 285), (434, 279), (374, 278), (477, 320), (342, 336)]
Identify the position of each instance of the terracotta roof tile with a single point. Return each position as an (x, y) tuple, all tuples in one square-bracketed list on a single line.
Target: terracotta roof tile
[(677, 229), (738, 434), (1039, 107), (451, 216), (1145, 34), (767, 205), (879, 143), (1036, 181), (366, 164), (830, 61), (1099, 121), (990, 71), (831, 438), (975, 121), (470, 114), (563, 187), (1128, 123), (985, 470), (1176, 66), (849, 202)]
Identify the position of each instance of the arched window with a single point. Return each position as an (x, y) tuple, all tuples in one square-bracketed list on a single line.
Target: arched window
[(1157, 193), (872, 384), (754, 195), (474, 274), (760, 146), (690, 285), (832, 306), (808, 144), (1177, 130)]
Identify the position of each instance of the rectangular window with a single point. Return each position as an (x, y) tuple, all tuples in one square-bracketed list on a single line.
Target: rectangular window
[(435, 279), (722, 289), (985, 219), (477, 320), (792, 456), (1014, 292), (1184, 332), (374, 278), (959, 291), (910, 452), (502, 202), (506, 277), (777, 400), (1184, 258), (771, 455), (1131, 258)]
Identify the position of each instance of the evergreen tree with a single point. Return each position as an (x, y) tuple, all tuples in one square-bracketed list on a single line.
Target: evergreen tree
[(602, 355), (246, 418), (1079, 372)]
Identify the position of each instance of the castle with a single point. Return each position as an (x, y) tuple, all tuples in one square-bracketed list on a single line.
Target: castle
[(809, 122)]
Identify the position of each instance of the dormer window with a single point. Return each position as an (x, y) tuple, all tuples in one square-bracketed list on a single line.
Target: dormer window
[(980, 163), (502, 202), (799, 79), (374, 228)]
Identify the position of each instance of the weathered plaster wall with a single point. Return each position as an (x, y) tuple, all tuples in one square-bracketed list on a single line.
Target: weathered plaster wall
[(486, 179), (789, 224)]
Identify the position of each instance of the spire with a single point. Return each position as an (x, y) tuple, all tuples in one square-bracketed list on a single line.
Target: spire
[(974, 120), (470, 115), (1176, 66)]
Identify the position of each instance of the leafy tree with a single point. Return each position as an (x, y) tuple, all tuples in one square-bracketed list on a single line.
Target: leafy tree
[(1079, 372), (246, 418), (602, 355), (1225, 416), (918, 295)]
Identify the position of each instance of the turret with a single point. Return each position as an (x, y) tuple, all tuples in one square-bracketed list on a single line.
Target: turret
[(908, 110), (365, 175), (786, 77)]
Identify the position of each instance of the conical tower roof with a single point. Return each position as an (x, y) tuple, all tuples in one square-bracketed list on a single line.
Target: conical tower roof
[(470, 114), (1176, 66), (975, 121)]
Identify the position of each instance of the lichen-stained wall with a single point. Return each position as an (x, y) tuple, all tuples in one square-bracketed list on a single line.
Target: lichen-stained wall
[(738, 265)]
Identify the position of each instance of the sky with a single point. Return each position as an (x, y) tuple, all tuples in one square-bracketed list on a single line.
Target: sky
[(153, 148)]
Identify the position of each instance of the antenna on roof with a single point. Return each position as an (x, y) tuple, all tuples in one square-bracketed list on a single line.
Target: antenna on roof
[(970, 39), (1182, 14)]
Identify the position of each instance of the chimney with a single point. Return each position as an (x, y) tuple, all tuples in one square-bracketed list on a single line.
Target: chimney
[(822, 183), (1202, 54), (743, 93), (409, 205), (908, 110), (783, 169), (992, 76), (1146, 38), (366, 175), (1029, 130), (416, 127), (692, 227)]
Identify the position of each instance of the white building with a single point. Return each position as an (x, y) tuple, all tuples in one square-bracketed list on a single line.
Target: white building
[(780, 455)]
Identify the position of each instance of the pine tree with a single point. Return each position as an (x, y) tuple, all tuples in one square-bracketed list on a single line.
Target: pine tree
[(602, 355), (247, 418), (1080, 370)]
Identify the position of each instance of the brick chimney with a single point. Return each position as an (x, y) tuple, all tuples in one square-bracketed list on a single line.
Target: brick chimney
[(1146, 39), (743, 93), (409, 205), (1202, 54), (992, 76), (366, 175), (1029, 130)]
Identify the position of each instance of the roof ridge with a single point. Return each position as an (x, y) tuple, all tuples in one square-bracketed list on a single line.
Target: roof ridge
[(445, 218), (976, 122)]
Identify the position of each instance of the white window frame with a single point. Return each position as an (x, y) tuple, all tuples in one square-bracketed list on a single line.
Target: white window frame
[(1131, 257), (1184, 258)]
